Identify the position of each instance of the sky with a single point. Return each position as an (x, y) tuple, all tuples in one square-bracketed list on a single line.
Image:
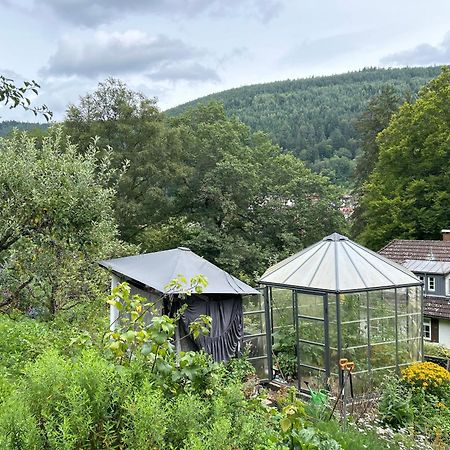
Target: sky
[(179, 50)]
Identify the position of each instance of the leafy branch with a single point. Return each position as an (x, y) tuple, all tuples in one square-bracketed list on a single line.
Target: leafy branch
[(14, 96)]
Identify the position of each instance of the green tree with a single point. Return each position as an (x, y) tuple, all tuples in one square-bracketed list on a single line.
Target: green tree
[(408, 196), (314, 117), (204, 181), (56, 221), (133, 127), (244, 202), (369, 124)]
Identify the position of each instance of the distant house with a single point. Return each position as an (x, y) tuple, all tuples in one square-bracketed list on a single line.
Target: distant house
[(430, 261)]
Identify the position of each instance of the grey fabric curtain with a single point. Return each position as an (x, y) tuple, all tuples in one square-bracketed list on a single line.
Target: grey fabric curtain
[(227, 324)]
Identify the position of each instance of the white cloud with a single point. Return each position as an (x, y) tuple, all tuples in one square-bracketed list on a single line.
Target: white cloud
[(114, 53), (421, 55), (90, 13), (186, 72)]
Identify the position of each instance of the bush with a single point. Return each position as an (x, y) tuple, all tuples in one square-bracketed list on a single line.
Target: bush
[(146, 407), (430, 377), (395, 406), (70, 404), (431, 349), (23, 339)]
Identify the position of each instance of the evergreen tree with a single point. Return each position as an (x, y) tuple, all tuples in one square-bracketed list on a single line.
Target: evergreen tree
[(407, 196)]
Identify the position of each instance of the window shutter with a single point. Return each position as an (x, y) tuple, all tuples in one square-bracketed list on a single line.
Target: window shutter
[(434, 330)]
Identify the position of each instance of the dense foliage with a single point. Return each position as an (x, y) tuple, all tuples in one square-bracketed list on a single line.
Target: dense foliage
[(57, 220), (314, 118), (407, 196), (204, 181), (68, 393), (419, 400)]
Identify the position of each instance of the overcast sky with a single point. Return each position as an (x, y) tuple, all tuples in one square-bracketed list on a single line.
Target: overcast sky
[(178, 50)]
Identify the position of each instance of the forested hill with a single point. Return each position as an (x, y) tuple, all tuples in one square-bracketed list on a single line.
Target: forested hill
[(314, 117), (8, 125)]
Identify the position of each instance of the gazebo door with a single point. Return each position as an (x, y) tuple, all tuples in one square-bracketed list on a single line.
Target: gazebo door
[(311, 322)]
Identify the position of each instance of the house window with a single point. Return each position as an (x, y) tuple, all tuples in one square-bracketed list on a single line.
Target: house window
[(427, 329), (431, 283), (421, 278)]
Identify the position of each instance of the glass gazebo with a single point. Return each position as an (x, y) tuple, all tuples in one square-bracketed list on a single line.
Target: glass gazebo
[(339, 300)]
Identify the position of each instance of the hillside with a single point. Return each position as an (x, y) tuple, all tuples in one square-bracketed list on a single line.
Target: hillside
[(314, 117), (8, 125)]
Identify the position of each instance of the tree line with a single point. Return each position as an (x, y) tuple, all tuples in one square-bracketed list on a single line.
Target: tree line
[(315, 117), (119, 176)]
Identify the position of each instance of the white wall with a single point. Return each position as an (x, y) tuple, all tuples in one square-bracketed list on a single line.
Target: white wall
[(152, 297), (444, 332), (113, 311)]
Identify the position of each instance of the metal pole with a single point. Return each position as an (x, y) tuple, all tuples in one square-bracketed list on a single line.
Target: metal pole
[(369, 348), (297, 346), (327, 340), (421, 356), (339, 338), (397, 367), (267, 311)]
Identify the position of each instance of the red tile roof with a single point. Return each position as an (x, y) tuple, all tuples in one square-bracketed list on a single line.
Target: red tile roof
[(402, 250), (436, 307), (399, 250)]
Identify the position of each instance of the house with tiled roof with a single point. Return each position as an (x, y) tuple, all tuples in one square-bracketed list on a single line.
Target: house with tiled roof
[(430, 261)]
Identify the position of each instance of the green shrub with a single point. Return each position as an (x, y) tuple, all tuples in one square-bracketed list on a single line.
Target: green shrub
[(285, 352), (438, 350), (77, 403), (146, 420), (19, 429), (188, 414), (395, 406), (23, 339), (353, 438)]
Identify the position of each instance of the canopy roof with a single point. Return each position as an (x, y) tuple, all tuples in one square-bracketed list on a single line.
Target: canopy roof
[(156, 270), (337, 264)]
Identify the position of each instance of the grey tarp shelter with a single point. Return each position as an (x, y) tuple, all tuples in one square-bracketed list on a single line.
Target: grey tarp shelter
[(345, 301), (149, 274)]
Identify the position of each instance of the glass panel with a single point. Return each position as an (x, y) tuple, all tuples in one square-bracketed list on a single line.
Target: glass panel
[(402, 301), (311, 355), (354, 333), (252, 303), (357, 355), (382, 330), (282, 309), (414, 300), (414, 325), (313, 378), (284, 335), (382, 355), (310, 305), (332, 324), (408, 326), (257, 345), (353, 306), (408, 351), (382, 303), (254, 323), (334, 361), (362, 384), (311, 330), (262, 367)]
